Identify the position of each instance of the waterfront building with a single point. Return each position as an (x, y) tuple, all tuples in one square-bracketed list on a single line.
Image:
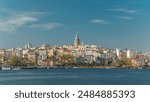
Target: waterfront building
[(51, 52), (118, 53), (77, 54), (24, 52), (2, 56), (19, 52), (32, 57), (7, 55), (130, 53), (60, 51), (52, 56), (42, 57)]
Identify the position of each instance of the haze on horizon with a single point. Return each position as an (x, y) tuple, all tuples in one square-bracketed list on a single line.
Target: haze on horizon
[(107, 23)]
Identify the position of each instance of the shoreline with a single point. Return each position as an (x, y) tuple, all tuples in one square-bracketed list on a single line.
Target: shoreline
[(72, 67)]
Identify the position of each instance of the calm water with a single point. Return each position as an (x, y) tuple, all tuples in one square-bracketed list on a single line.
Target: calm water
[(75, 76)]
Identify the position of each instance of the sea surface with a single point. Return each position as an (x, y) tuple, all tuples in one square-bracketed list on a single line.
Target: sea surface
[(78, 76)]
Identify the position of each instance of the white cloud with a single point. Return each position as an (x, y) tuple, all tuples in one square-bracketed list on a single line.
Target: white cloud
[(49, 26), (99, 21), (37, 13), (126, 17), (11, 20), (130, 11), (4, 28), (11, 24), (21, 20), (18, 12)]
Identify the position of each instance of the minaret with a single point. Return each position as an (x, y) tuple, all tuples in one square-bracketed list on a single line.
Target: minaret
[(76, 41)]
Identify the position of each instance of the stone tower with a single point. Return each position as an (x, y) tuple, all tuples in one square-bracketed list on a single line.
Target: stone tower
[(76, 41)]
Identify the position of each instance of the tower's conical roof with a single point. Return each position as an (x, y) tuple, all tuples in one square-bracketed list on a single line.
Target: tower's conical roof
[(76, 37)]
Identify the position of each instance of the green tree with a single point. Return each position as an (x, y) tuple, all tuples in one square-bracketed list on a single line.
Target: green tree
[(124, 61), (1, 58), (13, 60), (80, 61), (66, 59)]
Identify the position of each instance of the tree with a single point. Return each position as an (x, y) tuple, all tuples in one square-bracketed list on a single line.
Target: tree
[(124, 61), (13, 60), (1, 58), (80, 61), (66, 59)]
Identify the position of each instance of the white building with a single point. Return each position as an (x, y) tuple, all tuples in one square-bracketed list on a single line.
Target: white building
[(117, 52), (130, 53), (19, 52)]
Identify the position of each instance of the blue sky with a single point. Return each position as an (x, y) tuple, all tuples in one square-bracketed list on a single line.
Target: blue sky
[(107, 23)]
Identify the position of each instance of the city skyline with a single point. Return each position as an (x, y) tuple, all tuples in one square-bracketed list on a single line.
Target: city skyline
[(111, 24)]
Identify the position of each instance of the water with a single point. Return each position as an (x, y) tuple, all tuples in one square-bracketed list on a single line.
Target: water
[(79, 76)]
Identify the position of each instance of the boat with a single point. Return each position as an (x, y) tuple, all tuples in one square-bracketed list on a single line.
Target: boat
[(5, 68), (139, 67), (75, 67), (16, 68), (107, 67)]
